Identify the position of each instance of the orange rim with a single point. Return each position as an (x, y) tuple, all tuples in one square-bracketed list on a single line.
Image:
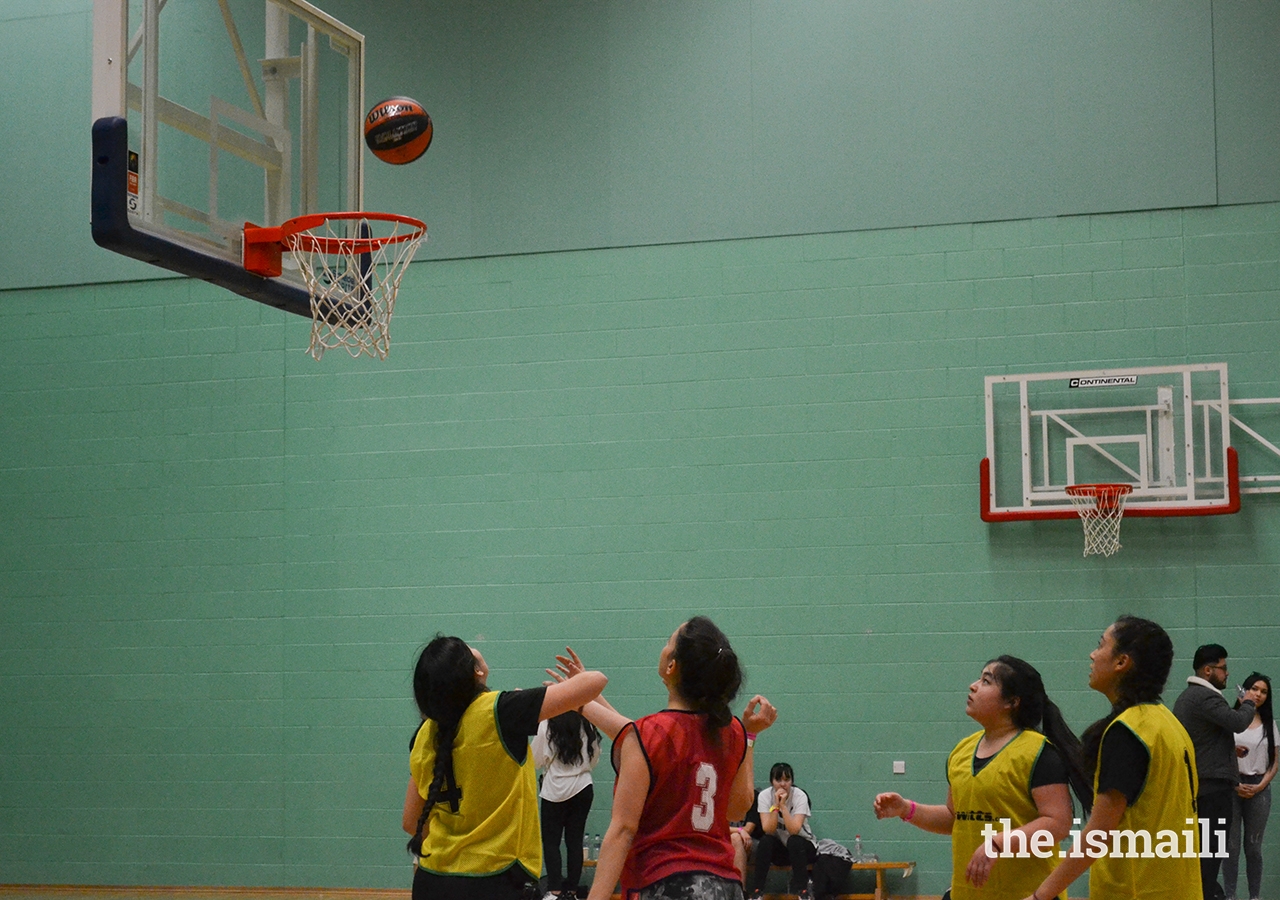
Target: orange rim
[(296, 230), (1105, 496)]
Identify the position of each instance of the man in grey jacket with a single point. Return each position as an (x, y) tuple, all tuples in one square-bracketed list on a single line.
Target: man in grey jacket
[(1212, 724)]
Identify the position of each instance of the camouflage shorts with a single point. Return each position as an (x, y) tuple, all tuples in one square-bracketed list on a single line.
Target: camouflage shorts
[(692, 886)]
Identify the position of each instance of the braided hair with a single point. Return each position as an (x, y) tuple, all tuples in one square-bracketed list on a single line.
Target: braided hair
[(1020, 681), (444, 684), (710, 674), (1151, 650)]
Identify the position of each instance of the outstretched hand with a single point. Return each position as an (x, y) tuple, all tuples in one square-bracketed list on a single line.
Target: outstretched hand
[(566, 666), (890, 806), (759, 714)]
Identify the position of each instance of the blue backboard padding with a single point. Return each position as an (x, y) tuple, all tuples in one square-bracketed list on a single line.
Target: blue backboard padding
[(113, 231)]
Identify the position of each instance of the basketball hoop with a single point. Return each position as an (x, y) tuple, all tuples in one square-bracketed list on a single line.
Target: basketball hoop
[(352, 263), (1101, 507)]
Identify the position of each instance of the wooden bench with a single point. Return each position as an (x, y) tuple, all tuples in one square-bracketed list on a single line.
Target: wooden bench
[(878, 867)]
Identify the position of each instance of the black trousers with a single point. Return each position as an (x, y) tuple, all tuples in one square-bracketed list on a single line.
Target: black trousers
[(513, 884), (568, 818), (1217, 805), (797, 853)]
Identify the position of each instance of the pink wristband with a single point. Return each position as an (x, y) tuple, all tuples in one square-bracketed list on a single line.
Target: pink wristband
[(751, 736), (907, 817)]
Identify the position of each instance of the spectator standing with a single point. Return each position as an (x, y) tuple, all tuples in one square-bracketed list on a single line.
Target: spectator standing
[(1212, 725), (1257, 760)]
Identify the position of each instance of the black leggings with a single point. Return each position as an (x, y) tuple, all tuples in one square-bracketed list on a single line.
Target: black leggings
[(569, 818), (797, 852)]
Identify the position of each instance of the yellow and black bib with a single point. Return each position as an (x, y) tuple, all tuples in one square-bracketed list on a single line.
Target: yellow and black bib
[(1001, 790), (1166, 803), (497, 819)]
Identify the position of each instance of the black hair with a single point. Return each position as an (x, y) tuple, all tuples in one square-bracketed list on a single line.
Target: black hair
[(1264, 710), (565, 733), (1021, 684), (781, 770), (444, 684), (1150, 649), (1207, 654), (710, 674)]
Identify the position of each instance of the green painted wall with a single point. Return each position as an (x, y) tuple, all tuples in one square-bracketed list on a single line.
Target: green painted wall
[(563, 125), (218, 557)]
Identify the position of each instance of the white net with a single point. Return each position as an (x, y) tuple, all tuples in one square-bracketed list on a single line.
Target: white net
[(1101, 507), (352, 267)]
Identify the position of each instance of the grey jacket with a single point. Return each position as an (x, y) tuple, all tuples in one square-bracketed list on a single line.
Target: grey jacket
[(1212, 724)]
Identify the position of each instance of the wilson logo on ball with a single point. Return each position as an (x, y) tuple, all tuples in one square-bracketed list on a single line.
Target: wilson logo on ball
[(398, 130)]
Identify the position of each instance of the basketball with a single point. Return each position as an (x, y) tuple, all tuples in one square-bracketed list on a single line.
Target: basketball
[(398, 130)]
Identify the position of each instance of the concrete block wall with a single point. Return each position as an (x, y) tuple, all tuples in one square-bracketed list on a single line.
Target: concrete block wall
[(219, 557)]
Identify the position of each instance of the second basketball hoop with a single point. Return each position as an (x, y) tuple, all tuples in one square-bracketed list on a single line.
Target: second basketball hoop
[(1101, 507)]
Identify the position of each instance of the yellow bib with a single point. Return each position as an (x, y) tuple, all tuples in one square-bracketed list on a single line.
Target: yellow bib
[(1161, 811), (1002, 790), (497, 819)]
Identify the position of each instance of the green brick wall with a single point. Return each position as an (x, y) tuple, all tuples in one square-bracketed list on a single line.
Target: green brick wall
[(218, 557)]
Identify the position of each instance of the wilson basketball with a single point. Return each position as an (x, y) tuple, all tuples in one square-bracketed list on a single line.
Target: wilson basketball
[(398, 130)]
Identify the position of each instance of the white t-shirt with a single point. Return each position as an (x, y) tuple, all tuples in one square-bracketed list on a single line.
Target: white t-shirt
[(561, 782), (797, 805), (1255, 762)]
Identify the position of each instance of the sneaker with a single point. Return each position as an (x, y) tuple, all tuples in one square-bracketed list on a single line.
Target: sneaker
[(550, 895), (756, 895)]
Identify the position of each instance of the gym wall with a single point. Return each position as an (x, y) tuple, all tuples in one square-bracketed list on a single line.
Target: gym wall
[(563, 125), (219, 557)]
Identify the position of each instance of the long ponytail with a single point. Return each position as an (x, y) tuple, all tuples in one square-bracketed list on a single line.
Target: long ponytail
[(1151, 651), (710, 674), (1034, 710)]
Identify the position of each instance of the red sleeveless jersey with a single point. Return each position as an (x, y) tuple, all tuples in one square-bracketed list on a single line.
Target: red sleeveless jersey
[(685, 825)]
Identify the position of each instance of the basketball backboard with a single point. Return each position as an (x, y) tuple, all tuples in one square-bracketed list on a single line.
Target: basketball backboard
[(208, 114), (1165, 431)]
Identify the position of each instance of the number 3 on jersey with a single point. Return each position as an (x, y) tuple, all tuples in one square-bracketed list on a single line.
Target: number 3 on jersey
[(704, 812)]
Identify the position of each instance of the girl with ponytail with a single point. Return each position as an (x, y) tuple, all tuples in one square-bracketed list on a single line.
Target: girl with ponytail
[(682, 774), (1016, 770), (1144, 777), (472, 801)]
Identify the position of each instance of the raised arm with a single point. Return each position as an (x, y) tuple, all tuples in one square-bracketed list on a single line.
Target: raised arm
[(574, 692), (759, 715), (600, 713), (1217, 710)]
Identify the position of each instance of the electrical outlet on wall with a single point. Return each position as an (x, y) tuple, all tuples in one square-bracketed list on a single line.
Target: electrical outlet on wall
[(899, 767)]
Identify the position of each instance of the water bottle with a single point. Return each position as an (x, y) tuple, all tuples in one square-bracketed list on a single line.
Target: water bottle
[(595, 847), (586, 846), (857, 849)]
